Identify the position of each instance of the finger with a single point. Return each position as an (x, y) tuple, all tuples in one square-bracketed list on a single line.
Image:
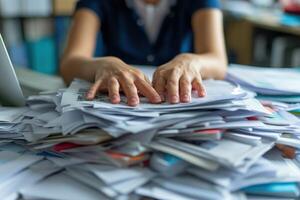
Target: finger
[(130, 91), (173, 87), (147, 79), (148, 91), (198, 85), (185, 88), (155, 77), (113, 91), (93, 90), (160, 87)]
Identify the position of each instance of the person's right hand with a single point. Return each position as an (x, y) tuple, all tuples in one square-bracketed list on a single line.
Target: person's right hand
[(113, 75)]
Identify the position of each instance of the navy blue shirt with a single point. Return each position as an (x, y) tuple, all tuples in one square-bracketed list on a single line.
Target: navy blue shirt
[(124, 37)]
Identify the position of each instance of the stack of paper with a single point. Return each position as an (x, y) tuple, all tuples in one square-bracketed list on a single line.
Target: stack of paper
[(271, 84), (217, 147), (68, 112)]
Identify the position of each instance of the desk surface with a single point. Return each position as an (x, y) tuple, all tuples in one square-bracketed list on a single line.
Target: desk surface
[(34, 82)]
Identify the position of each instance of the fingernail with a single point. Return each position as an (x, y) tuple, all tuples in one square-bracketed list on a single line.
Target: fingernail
[(162, 97), (186, 98), (174, 99), (133, 100), (158, 99), (203, 93), (115, 98)]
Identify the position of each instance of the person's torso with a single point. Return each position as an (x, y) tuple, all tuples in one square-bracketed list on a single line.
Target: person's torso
[(124, 34)]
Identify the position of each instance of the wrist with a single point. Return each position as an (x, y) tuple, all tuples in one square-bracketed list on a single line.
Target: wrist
[(191, 59), (103, 62)]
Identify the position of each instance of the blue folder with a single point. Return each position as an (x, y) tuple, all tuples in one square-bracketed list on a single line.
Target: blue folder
[(290, 189)]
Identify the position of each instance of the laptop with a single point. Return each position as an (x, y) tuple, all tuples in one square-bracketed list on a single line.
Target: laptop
[(10, 89)]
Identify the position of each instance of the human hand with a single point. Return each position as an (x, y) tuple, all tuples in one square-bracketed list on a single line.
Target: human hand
[(175, 80), (113, 75)]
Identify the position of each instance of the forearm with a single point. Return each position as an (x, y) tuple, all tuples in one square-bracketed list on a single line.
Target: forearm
[(209, 45), (77, 60), (212, 66), (76, 67)]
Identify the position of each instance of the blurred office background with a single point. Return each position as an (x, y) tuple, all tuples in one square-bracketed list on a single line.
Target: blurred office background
[(35, 31), (258, 32)]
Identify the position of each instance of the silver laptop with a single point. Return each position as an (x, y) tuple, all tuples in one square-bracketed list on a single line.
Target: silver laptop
[(10, 90)]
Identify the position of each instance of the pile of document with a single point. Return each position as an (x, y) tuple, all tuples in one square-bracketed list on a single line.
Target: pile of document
[(222, 146), (280, 84)]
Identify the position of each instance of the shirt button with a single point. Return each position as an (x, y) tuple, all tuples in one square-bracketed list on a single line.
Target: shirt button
[(140, 22), (150, 58)]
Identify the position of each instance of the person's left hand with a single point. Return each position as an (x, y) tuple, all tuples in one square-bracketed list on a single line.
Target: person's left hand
[(175, 80)]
